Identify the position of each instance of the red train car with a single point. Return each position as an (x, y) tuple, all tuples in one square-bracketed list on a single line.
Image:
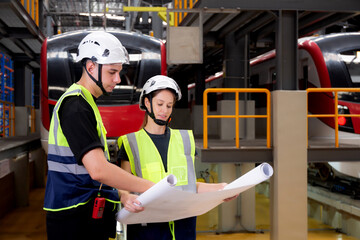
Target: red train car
[(119, 111)]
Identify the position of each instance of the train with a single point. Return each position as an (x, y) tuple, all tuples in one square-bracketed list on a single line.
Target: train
[(120, 111), (326, 61)]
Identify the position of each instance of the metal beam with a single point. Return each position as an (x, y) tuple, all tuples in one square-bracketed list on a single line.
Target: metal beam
[(19, 33), (23, 47), (244, 155), (326, 23), (255, 155), (287, 51), (277, 5), (213, 21), (5, 49), (255, 24), (263, 31), (23, 16), (312, 18), (333, 154), (238, 22)]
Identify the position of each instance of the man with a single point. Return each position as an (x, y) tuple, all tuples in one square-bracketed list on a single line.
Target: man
[(80, 176)]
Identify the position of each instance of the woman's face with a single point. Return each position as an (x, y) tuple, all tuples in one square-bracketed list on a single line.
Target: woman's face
[(163, 103)]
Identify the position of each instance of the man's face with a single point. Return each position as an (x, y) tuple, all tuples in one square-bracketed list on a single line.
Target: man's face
[(111, 76)]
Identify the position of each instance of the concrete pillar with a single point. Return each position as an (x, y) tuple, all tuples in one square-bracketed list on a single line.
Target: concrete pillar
[(37, 120), (238, 214), (20, 167), (247, 202), (39, 158), (21, 121), (227, 210), (289, 184), (22, 84), (227, 125)]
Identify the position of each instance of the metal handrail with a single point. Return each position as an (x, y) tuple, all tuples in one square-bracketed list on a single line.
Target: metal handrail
[(335, 115), (236, 116)]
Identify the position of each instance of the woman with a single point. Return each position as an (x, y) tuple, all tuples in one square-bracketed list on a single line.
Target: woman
[(155, 151)]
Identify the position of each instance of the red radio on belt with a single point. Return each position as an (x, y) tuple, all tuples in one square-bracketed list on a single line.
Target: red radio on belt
[(99, 205)]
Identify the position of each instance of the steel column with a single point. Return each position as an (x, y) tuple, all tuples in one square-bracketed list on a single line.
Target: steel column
[(287, 51)]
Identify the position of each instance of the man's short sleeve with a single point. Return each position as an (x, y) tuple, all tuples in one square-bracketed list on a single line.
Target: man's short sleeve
[(78, 123)]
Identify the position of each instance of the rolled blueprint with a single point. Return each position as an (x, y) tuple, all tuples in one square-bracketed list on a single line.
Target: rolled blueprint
[(150, 196), (257, 175), (164, 203)]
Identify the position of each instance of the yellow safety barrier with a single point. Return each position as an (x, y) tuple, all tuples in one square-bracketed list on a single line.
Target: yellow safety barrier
[(32, 7), (236, 116), (182, 4), (144, 9), (7, 120), (336, 114)]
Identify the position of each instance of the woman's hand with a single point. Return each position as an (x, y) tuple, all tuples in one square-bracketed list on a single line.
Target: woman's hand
[(130, 202), (231, 198), (210, 187)]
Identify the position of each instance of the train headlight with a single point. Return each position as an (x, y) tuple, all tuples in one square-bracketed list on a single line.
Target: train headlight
[(342, 120), (345, 123)]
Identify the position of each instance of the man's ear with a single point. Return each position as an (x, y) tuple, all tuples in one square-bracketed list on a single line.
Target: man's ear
[(90, 66)]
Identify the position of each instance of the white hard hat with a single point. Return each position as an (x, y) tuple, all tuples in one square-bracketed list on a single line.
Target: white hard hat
[(103, 48), (158, 82)]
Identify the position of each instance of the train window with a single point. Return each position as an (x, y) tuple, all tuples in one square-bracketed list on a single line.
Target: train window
[(273, 79), (303, 82), (254, 81), (351, 59), (259, 98), (124, 93), (212, 101), (127, 91)]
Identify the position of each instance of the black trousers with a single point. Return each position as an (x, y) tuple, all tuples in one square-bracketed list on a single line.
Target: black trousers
[(185, 229), (77, 223)]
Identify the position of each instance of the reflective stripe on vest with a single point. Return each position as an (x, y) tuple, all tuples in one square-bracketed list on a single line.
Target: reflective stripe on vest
[(66, 168), (131, 144)]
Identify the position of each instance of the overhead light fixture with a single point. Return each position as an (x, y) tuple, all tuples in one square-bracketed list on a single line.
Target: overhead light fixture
[(108, 16)]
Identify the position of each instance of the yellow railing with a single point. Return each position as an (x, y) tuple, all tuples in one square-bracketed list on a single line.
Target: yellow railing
[(236, 116), (32, 7), (182, 4), (336, 114), (32, 118), (7, 123)]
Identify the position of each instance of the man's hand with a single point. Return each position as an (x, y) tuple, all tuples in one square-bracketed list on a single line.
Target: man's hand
[(130, 202)]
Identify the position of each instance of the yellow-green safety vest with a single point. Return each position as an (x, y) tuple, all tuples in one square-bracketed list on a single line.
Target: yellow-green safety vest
[(146, 162)]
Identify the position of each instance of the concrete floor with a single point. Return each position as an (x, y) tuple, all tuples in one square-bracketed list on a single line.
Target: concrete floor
[(28, 223)]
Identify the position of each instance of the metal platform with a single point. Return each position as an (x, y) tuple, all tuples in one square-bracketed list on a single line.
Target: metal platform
[(11, 146), (255, 151)]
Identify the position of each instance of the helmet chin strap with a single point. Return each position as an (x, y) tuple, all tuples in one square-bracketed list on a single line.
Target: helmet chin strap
[(151, 114), (98, 82)]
